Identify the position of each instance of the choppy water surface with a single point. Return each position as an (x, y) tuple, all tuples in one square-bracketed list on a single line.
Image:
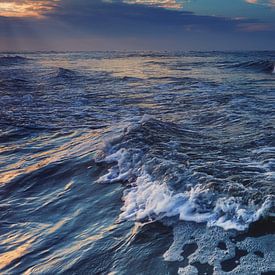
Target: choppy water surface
[(137, 163)]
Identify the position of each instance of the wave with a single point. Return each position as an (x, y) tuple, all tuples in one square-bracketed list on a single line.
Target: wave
[(261, 65), (8, 60), (162, 164), (65, 73), (130, 79)]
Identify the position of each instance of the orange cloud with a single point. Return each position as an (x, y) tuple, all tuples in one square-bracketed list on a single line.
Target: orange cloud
[(26, 8), (251, 1), (270, 3)]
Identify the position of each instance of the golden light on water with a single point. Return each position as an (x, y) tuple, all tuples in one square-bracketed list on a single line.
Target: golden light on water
[(26, 8)]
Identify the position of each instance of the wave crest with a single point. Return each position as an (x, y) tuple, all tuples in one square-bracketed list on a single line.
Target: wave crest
[(65, 73), (261, 65), (9, 60)]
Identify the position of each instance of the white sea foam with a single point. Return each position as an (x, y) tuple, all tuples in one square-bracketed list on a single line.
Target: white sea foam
[(208, 251), (149, 198), (190, 270)]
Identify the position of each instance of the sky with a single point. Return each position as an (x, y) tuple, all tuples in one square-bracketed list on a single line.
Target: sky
[(82, 25)]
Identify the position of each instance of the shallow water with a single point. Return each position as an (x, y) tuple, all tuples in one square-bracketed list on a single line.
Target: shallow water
[(143, 162)]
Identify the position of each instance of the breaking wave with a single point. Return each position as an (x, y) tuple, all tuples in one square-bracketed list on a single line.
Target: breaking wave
[(165, 167)]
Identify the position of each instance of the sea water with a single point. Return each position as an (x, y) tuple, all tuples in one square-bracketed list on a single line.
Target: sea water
[(137, 162)]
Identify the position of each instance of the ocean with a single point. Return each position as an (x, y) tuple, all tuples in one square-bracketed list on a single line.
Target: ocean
[(137, 163)]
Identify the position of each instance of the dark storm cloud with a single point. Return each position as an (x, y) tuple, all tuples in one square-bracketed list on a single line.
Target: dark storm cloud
[(116, 18)]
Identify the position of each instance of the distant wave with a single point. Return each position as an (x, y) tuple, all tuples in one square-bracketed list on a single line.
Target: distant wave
[(130, 79), (8, 60), (64, 73), (261, 65)]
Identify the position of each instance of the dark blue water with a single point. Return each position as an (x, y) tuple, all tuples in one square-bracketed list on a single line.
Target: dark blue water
[(137, 163)]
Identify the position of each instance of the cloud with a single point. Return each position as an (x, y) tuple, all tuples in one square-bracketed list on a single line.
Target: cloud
[(168, 4), (119, 17), (251, 1), (269, 3), (26, 8), (255, 27)]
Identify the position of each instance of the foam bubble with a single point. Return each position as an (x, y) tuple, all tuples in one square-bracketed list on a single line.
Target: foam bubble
[(191, 270)]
